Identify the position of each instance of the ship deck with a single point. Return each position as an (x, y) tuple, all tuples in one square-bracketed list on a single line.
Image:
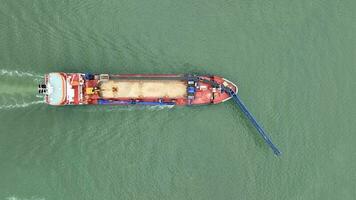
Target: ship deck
[(142, 89)]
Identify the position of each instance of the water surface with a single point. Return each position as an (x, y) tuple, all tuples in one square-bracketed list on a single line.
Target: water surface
[(294, 62)]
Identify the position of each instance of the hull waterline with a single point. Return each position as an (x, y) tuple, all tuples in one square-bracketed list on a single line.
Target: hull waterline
[(133, 89)]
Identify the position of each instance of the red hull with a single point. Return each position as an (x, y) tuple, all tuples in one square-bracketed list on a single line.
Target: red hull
[(134, 89)]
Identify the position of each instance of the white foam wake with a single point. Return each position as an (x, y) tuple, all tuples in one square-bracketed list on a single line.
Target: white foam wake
[(160, 107), (18, 198), (20, 105), (14, 88), (4, 72)]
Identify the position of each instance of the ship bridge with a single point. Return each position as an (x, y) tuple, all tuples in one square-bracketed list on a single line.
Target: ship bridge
[(56, 88)]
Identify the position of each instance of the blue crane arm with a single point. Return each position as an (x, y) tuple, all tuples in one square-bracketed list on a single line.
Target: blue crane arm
[(244, 109), (260, 130)]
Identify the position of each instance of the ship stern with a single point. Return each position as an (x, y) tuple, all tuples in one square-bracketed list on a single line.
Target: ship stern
[(54, 88)]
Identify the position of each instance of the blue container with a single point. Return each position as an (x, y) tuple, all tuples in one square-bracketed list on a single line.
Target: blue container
[(191, 90)]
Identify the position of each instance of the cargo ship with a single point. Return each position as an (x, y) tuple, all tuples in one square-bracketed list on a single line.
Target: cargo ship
[(133, 89), (61, 89)]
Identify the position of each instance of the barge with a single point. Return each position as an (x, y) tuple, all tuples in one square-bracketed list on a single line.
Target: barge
[(143, 89), (133, 89)]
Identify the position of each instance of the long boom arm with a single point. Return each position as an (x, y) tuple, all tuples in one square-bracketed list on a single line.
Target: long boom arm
[(260, 130), (247, 113)]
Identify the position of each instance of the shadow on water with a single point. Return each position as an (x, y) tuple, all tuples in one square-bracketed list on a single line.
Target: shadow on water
[(18, 89)]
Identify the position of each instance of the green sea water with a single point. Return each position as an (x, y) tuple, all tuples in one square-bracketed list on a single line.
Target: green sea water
[(294, 62)]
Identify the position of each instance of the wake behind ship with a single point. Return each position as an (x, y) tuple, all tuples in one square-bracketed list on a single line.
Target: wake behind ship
[(133, 89)]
